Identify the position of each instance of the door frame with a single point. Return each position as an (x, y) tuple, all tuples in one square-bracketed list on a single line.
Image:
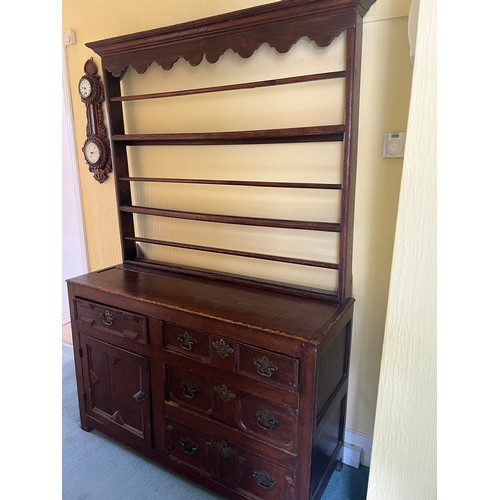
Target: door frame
[(72, 169)]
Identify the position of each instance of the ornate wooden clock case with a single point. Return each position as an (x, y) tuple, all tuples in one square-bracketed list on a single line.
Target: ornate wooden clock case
[(236, 382), (96, 149)]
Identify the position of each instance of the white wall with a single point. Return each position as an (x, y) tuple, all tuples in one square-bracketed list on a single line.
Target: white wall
[(404, 445)]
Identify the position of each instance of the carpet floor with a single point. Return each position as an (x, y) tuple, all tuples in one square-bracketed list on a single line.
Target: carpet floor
[(97, 468)]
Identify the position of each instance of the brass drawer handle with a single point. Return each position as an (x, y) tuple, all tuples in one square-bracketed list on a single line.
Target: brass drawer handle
[(223, 448), (189, 446), (264, 480), (107, 318), (222, 348), (187, 342), (224, 393), (265, 367), (188, 389), (265, 420)]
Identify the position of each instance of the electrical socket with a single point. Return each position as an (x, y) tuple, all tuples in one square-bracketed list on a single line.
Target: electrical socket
[(352, 455), (69, 37)]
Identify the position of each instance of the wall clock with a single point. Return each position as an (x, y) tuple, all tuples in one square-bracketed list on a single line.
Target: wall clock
[(96, 149)]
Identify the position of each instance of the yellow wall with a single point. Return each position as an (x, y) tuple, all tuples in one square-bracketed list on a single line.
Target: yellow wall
[(385, 90), (386, 76), (404, 445)]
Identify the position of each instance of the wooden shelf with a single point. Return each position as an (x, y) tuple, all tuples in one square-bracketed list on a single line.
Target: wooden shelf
[(232, 219), (299, 134), (234, 86), (270, 184), (237, 253)]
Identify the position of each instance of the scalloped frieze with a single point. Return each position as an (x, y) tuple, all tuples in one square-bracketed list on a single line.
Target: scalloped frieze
[(242, 36), (194, 54)]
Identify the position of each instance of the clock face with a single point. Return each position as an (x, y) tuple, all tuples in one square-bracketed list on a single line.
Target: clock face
[(92, 152), (85, 87)]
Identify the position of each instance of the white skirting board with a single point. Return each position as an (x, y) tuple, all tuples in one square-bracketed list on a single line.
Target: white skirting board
[(358, 440)]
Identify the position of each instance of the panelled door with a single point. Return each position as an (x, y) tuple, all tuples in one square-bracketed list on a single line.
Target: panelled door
[(117, 390)]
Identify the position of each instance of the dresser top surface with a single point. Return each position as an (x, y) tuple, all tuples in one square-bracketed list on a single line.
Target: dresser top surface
[(270, 311)]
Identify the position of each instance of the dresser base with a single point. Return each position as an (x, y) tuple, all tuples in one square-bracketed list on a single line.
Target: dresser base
[(240, 390)]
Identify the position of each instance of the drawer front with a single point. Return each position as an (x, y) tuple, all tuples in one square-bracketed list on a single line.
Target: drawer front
[(109, 323), (213, 349), (224, 461), (273, 423), (228, 403), (226, 354), (188, 446), (189, 390), (189, 342), (268, 366), (210, 396), (207, 453), (263, 479)]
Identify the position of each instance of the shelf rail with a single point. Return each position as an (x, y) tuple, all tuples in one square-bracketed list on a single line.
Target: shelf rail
[(237, 253), (233, 86)]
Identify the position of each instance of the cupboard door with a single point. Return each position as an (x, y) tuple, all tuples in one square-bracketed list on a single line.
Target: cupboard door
[(116, 384)]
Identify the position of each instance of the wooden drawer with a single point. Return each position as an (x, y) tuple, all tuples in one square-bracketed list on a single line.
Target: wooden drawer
[(189, 390), (213, 455), (224, 353), (268, 421), (230, 404), (188, 446), (109, 323), (268, 366), (209, 454), (209, 348), (261, 478), (189, 342)]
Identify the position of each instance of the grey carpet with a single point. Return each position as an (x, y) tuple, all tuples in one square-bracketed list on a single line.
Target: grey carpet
[(97, 468)]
